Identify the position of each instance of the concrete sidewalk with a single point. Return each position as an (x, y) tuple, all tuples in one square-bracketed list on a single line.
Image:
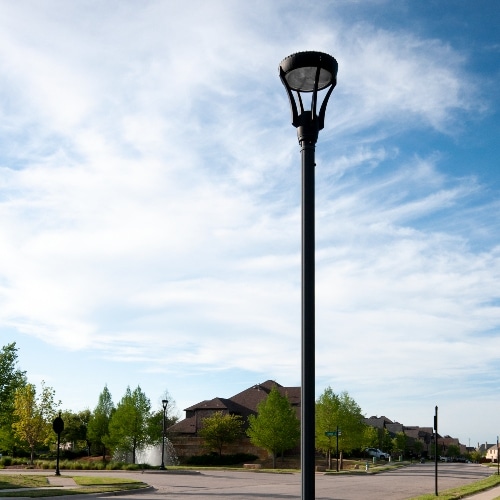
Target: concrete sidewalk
[(491, 494), (61, 481)]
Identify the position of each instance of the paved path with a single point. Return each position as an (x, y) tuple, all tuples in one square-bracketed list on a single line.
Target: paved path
[(492, 494)]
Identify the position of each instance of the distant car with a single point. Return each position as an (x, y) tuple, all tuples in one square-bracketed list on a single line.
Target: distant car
[(375, 452)]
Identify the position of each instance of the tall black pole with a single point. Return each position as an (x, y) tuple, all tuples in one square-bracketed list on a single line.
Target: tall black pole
[(307, 453), (337, 452), (436, 452), (498, 462)]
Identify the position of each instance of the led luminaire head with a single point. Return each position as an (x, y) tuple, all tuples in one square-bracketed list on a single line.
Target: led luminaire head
[(301, 70)]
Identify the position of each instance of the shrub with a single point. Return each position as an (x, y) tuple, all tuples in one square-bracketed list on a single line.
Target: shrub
[(115, 466), (214, 459), (6, 461), (131, 467)]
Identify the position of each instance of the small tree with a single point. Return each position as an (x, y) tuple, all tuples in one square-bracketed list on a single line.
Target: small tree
[(339, 411), (98, 426), (11, 379), (220, 429), (453, 451), (128, 427), (33, 416), (155, 419), (399, 443), (476, 456), (370, 437), (75, 428), (276, 427), (418, 446)]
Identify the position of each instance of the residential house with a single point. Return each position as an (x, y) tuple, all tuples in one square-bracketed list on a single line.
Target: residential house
[(184, 434), (492, 453)]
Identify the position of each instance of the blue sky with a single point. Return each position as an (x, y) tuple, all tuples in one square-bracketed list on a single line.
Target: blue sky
[(150, 202)]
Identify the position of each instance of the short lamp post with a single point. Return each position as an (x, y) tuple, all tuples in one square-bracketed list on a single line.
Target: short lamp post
[(58, 426), (301, 73), (164, 404)]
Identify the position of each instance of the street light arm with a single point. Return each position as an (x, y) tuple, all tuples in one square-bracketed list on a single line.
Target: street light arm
[(293, 104), (322, 111)]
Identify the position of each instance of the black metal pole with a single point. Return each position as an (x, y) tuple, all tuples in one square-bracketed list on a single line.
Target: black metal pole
[(498, 462), (58, 426), (162, 466), (436, 452), (308, 320), (337, 452), (58, 472)]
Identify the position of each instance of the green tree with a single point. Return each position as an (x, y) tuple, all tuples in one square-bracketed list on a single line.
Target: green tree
[(371, 437), (399, 443), (476, 456), (128, 428), (34, 416), (98, 426), (385, 440), (11, 379), (340, 411), (418, 446), (220, 429), (75, 428), (453, 451), (155, 420), (276, 427)]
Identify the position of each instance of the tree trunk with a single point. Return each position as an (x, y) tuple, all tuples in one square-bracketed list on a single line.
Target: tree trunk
[(274, 460)]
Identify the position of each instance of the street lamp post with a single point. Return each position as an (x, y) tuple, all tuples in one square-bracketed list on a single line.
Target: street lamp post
[(58, 426), (301, 73), (164, 403)]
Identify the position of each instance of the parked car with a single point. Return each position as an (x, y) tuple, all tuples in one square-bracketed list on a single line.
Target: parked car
[(375, 452)]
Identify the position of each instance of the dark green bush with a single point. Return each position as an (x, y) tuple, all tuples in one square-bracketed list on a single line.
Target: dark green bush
[(214, 459), (6, 461)]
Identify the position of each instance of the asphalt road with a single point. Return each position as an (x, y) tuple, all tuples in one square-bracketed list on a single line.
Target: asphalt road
[(399, 484)]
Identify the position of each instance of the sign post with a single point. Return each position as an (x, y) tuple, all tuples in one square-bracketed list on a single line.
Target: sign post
[(436, 451)]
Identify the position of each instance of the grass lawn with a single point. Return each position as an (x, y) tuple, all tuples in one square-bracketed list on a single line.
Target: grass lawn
[(86, 485), (463, 491), (22, 481)]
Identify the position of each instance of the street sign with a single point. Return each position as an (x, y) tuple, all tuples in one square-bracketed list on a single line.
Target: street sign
[(332, 433)]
